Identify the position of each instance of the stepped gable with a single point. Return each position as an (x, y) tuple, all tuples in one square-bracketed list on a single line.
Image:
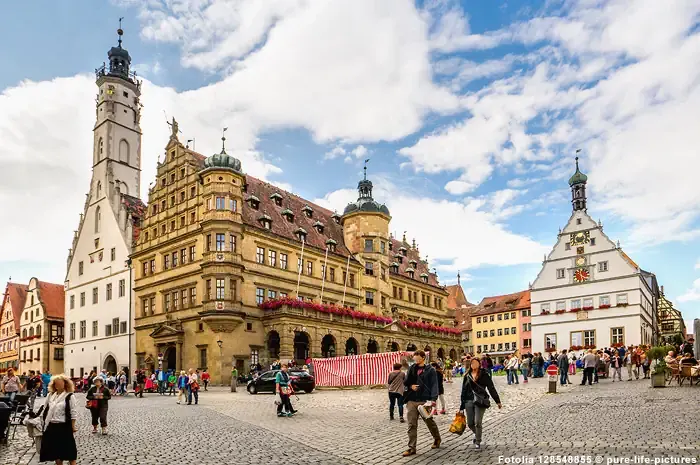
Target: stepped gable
[(17, 294), (54, 298), (281, 227), (421, 267)]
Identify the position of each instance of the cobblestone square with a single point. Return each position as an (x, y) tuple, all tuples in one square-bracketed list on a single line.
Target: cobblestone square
[(605, 421)]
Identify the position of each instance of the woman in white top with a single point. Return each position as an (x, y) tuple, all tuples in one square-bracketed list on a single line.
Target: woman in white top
[(60, 414)]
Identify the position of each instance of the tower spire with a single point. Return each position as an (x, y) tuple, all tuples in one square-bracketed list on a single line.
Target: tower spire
[(577, 182), (120, 32), (223, 141), (365, 168)]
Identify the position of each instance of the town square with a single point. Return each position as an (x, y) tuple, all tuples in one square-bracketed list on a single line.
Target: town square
[(362, 232)]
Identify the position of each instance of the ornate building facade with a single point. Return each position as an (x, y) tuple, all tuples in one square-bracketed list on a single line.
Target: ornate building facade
[(99, 279), (41, 328), (233, 270), (10, 314), (589, 293), (671, 324)]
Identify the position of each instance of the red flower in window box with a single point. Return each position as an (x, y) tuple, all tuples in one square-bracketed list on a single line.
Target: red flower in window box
[(559, 312), (588, 308), (544, 312), (604, 306), (622, 304), (617, 345), (550, 349), (576, 347), (574, 310), (589, 346)]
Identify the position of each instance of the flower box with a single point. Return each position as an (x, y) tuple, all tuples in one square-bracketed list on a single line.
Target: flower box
[(617, 345), (544, 312), (589, 346), (604, 306), (574, 310), (576, 347), (622, 305), (559, 312), (588, 308), (550, 349)]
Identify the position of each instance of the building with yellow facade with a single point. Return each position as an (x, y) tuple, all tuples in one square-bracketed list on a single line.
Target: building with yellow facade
[(10, 312), (496, 324), (219, 252)]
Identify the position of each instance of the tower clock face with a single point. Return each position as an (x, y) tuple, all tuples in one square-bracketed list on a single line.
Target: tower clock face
[(581, 237), (581, 275), (580, 261)]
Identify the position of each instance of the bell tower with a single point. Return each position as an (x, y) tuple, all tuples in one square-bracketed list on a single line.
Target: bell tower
[(577, 182), (117, 131)]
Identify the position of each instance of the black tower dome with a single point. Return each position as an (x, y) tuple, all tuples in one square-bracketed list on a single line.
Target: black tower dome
[(119, 61), (365, 202)]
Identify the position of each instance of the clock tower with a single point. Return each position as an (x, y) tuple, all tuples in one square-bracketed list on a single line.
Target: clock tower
[(577, 182)]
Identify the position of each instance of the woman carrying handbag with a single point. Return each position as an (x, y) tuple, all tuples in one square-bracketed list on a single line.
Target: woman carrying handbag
[(475, 399), (98, 402)]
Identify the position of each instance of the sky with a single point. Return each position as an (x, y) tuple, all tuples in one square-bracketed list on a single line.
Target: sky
[(470, 114)]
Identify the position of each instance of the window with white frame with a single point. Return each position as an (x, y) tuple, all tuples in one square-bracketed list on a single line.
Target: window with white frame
[(561, 305), (621, 299), (576, 338), (576, 303), (589, 338), (544, 307), (561, 274), (550, 341), (603, 266), (604, 300), (617, 335), (588, 303)]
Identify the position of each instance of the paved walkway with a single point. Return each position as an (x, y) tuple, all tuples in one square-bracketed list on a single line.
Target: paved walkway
[(352, 427)]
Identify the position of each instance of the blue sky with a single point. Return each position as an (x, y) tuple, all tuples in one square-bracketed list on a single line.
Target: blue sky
[(470, 113)]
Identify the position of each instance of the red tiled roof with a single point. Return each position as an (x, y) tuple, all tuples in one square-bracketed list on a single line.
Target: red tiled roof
[(420, 267), (16, 295), (135, 208), (502, 303), (457, 299), (54, 299), (463, 317)]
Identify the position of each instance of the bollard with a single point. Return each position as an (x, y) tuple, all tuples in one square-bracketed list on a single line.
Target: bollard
[(552, 385)]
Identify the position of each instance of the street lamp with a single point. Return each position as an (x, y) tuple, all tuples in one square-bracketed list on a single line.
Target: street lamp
[(220, 343)]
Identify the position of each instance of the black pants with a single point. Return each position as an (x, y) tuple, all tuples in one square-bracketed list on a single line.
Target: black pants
[(286, 403), (100, 413), (588, 376), (395, 398)]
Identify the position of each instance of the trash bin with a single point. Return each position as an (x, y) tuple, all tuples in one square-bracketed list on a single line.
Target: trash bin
[(5, 414)]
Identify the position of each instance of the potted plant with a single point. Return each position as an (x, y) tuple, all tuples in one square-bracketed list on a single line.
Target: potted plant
[(658, 376)]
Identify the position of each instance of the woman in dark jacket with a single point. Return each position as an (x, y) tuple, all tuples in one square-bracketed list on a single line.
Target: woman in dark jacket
[(476, 382), (98, 396), (441, 389)]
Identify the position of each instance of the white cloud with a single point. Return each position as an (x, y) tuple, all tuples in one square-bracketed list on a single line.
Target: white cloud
[(697, 264), (335, 152), (360, 151), (692, 294), (468, 237)]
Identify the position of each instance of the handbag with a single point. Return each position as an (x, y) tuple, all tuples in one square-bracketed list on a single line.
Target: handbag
[(91, 404), (481, 399), (459, 424)]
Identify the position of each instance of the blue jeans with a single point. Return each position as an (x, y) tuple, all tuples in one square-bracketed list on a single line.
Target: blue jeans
[(45, 390), (512, 376), (12, 395), (524, 372), (562, 376), (190, 393)]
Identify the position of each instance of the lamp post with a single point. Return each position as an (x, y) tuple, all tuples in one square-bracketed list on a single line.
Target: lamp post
[(220, 343)]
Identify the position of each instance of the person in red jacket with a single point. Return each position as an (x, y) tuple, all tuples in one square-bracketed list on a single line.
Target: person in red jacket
[(205, 379)]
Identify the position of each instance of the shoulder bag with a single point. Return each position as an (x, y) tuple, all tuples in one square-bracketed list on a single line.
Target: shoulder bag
[(481, 399)]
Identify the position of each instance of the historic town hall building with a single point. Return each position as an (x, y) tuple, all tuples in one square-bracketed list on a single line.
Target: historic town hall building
[(230, 269), (99, 280), (589, 293)]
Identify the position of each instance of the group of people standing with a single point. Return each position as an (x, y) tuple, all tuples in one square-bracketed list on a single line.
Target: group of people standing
[(35, 383)]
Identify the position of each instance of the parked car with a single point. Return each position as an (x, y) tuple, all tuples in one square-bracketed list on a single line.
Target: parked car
[(300, 380)]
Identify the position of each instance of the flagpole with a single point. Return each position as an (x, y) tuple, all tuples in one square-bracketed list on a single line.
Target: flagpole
[(345, 285), (301, 264), (325, 270)]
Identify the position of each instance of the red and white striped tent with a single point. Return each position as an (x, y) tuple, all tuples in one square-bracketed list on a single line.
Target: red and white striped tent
[(356, 370)]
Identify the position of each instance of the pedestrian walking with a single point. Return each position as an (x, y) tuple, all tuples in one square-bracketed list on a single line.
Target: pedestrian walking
[(396, 389), (45, 380), (11, 385), (422, 392), (98, 403), (122, 383), (234, 379), (172, 382), (563, 364), (60, 415), (589, 366), (205, 379), (193, 388), (141, 382), (284, 389), (632, 363), (181, 386), (474, 399), (162, 382), (512, 365), (440, 407), (616, 365), (525, 367)]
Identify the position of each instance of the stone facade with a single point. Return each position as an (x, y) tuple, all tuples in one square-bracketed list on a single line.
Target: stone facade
[(10, 313), (216, 243)]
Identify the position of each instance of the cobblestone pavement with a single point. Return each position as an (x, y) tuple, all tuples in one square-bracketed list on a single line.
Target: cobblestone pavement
[(607, 420)]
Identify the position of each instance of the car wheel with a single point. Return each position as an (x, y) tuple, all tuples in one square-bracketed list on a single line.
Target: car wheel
[(308, 391), (252, 390)]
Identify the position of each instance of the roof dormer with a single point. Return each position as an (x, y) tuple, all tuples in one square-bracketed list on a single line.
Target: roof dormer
[(336, 217), (394, 267), (403, 250), (308, 211), (424, 277), (265, 220), (398, 257), (277, 198), (300, 234), (253, 201), (413, 263), (331, 245), (288, 215), (410, 272), (318, 226)]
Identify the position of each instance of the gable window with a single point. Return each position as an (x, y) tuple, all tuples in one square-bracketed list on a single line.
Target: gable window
[(560, 273), (578, 220), (592, 241), (331, 244), (308, 211), (277, 199), (300, 234), (603, 266), (98, 219), (113, 253)]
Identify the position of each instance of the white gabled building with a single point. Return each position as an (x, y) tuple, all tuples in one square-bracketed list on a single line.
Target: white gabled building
[(99, 279), (589, 292)]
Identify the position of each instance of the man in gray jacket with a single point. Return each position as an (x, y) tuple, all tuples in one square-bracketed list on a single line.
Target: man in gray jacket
[(422, 387), (563, 364), (589, 366)]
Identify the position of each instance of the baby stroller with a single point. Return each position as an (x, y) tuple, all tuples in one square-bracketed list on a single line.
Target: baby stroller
[(601, 369)]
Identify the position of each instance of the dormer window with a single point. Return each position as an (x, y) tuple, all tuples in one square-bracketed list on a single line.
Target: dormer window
[(331, 245), (288, 215), (413, 263), (300, 234), (336, 217), (394, 267), (402, 250), (265, 221), (391, 246), (308, 211), (410, 272), (424, 277), (318, 226), (399, 257), (277, 197), (253, 201)]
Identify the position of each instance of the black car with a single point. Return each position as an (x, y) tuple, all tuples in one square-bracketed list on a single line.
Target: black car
[(300, 380)]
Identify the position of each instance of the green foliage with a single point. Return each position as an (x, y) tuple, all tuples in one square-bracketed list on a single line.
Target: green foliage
[(658, 353)]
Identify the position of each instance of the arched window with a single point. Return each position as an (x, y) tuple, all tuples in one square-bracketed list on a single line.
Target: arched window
[(24, 333), (38, 330), (98, 219), (99, 189), (31, 331), (124, 151)]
